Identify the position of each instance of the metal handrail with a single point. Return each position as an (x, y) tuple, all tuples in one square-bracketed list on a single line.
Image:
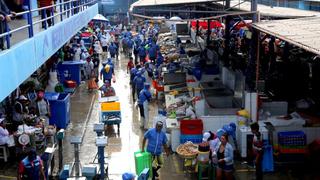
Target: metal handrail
[(67, 7)]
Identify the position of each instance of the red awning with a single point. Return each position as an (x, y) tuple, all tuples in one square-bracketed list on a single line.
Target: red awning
[(204, 24)]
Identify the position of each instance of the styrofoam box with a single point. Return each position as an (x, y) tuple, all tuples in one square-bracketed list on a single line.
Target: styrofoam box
[(213, 123)]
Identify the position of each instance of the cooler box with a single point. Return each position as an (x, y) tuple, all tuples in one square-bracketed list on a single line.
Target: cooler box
[(143, 160), (60, 111), (191, 127), (70, 70)]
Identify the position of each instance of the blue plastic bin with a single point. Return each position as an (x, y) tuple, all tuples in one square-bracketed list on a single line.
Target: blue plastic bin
[(196, 139), (70, 70), (60, 111), (51, 96)]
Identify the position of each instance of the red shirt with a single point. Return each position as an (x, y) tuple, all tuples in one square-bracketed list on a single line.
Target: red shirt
[(44, 3), (130, 65)]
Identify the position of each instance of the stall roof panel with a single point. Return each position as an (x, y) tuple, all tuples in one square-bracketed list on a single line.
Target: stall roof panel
[(166, 2), (282, 12), (302, 32)]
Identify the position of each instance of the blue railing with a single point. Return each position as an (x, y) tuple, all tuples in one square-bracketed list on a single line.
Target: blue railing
[(66, 9)]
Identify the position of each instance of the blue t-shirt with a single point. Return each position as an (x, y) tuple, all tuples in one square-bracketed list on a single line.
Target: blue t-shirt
[(107, 75), (144, 95), (139, 82), (155, 141)]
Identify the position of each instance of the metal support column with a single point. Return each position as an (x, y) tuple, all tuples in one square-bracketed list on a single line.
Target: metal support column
[(101, 142), (227, 37), (101, 161), (60, 136), (76, 141), (29, 15), (6, 27), (208, 32), (77, 159), (61, 9), (197, 28)]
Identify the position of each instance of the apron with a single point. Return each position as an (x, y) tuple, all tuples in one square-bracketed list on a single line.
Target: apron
[(146, 114)]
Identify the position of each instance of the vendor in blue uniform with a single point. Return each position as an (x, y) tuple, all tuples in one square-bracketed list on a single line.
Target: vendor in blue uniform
[(107, 71), (31, 167), (113, 49), (143, 103), (156, 140), (142, 53), (107, 90), (159, 59), (153, 52), (133, 73), (139, 81)]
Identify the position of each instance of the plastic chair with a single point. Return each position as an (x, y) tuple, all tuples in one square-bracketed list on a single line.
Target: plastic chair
[(4, 152)]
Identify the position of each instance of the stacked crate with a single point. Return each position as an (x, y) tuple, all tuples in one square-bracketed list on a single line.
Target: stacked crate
[(292, 142), (191, 130)]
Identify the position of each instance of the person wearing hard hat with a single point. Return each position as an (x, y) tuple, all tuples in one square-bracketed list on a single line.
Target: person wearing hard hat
[(128, 176), (107, 71)]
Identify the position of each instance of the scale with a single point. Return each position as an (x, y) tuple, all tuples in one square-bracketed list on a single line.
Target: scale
[(101, 143), (99, 128), (76, 141)]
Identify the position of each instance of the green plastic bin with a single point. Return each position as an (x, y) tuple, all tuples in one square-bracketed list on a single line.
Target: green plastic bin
[(143, 160)]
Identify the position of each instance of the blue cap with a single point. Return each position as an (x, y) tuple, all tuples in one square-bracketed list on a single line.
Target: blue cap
[(147, 85), (128, 176), (233, 125), (220, 132), (228, 129)]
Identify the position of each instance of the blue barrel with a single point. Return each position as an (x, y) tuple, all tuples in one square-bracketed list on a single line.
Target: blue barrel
[(70, 70), (60, 111)]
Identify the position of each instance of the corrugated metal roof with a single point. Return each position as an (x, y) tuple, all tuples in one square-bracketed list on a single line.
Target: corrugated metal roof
[(302, 32), (165, 2), (273, 11)]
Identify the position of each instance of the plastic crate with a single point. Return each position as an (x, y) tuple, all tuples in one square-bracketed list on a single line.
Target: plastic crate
[(292, 150), (143, 160), (292, 138), (110, 106), (196, 139), (191, 127)]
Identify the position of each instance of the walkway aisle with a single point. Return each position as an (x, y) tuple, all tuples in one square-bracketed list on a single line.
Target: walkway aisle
[(120, 149)]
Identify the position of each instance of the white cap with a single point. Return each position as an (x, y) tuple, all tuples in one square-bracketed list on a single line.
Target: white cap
[(22, 97), (1, 119), (206, 136)]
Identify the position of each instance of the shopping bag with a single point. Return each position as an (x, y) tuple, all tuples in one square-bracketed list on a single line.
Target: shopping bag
[(113, 79), (267, 161), (92, 84)]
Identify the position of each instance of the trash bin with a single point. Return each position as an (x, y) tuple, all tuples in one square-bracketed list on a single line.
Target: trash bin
[(60, 111), (70, 70)]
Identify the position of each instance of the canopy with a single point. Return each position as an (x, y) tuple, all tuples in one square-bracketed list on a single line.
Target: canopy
[(204, 24), (100, 17)]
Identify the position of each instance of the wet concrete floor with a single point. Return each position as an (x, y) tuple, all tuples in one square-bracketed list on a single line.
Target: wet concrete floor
[(121, 147)]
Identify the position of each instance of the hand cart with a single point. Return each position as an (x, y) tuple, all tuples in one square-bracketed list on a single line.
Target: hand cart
[(110, 112)]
